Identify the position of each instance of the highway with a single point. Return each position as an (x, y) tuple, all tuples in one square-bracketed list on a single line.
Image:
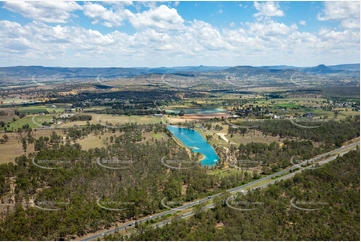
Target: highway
[(281, 175)]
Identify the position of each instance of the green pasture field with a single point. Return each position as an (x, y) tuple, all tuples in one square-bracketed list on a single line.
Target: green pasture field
[(298, 100), (39, 108), (286, 105), (95, 108), (16, 100), (32, 109), (20, 122), (29, 120), (171, 107), (57, 110)]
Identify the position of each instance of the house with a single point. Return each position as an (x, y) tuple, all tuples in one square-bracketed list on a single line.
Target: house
[(66, 115), (308, 115)]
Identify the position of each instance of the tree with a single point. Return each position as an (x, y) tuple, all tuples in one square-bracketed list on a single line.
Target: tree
[(181, 113), (23, 140), (6, 138)]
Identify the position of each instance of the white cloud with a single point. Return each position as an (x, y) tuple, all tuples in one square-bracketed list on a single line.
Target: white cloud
[(208, 36), (49, 11), (338, 37), (220, 11), (161, 18), (348, 13), (238, 38), (111, 17), (270, 28), (119, 3), (351, 23), (302, 22), (163, 38), (267, 9)]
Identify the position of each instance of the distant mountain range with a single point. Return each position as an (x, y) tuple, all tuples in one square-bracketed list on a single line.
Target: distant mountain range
[(28, 72), (320, 69), (342, 67)]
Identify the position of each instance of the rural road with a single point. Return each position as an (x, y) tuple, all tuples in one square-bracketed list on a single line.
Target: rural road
[(281, 175)]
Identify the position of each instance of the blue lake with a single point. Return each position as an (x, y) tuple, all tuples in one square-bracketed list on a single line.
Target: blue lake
[(195, 141)]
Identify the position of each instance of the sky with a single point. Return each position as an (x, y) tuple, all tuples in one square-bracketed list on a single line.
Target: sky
[(179, 33)]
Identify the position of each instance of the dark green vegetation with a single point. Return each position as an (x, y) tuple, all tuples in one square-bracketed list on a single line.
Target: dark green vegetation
[(76, 198), (330, 133), (138, 187), (333, 189), (299, 143), (80, 181)]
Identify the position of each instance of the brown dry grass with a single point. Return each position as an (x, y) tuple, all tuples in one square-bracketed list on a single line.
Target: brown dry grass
[(93, 141), (14, 148)]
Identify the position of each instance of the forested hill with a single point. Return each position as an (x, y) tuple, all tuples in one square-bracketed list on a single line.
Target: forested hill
[(60, 73), (333, 192), (26, 72)]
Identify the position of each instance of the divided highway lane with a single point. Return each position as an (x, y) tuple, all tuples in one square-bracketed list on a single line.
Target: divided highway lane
[(287, 170), (129, 225), (186, 215), (341, 150)]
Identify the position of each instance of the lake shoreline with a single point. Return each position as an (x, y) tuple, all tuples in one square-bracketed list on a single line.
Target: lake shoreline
[(197, 144)]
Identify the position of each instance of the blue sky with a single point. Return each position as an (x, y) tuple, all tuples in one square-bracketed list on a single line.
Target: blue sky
[(172, 33)]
